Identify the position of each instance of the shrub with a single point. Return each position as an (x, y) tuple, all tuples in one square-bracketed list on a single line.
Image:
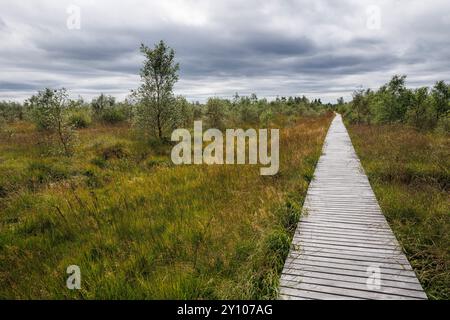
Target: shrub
[(215, 113), (101, 103), (3, 126), (113, 115), (49, 110), (266, 118), (106, 109), (186, 112), (80, 118), (443, 125), (116, 151), (10, 111), (248, 114)]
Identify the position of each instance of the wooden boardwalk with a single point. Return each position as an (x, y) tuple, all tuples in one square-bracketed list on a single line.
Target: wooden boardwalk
[(343, 247)]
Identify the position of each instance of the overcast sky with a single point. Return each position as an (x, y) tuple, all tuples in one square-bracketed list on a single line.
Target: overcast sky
[(318, 48)]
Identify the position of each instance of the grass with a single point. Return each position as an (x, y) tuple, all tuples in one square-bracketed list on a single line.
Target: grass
[(409, 171), (141, 228)]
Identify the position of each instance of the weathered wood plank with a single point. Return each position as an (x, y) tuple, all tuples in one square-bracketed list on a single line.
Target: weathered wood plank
[(350, 269), (356, 254), (295, 294), (343, 237), (338, 260), (359, 289), (353, 279)]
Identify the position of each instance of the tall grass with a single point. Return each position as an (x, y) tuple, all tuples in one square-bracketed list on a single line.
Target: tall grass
[(409, 171), (140, 227)]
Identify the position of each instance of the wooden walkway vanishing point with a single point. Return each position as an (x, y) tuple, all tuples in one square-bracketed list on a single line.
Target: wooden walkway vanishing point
[(343, 243)]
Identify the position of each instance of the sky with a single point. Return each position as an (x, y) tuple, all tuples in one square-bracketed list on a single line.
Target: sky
[(321, 49)]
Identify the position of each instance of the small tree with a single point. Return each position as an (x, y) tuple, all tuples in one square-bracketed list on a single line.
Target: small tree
[(417, 110), (398, 99), (215, 113), (3, 125), (266, 118), (49, 112), (360, 104), (441, 99), (156, 111), (186, 112), (101, 104)]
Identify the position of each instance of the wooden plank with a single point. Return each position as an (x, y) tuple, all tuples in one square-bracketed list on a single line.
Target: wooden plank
[(356, 254), (414, 286), (354, 249), (349, 222), (348, 241), (346, 292), (361, 287), (350, 269), (344, 226), (401, 263), (295, 294), (285, 296), (371, 233), (351, 235), (338, 260), (352, 243), (344, 215), (343, 236)]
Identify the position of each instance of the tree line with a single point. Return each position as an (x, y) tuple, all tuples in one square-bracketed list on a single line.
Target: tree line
[(423, 108), (152, 109)]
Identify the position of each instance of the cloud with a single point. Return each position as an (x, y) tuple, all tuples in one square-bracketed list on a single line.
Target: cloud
[(320, 48), (2, 24)]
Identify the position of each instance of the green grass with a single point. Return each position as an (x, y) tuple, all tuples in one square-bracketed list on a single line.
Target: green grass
[(140, 227), (409, 171)]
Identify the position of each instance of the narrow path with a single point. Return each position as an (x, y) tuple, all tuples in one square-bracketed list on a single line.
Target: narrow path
[(343, 247)]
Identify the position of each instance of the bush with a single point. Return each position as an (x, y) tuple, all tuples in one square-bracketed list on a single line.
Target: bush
[(116, 151), (105, 109), (11, 111), (216, 112), (186, 112), (266, 118), (113, 115), (3, 125), (443, 125), (49, 110), (248, 114), (80, 118)]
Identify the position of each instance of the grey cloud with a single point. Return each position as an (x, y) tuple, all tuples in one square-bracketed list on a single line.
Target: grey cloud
[(18, 86), (279, 47), (2, 24)]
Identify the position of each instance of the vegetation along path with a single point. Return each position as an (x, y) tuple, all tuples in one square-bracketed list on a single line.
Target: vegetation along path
[(343, 247)]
